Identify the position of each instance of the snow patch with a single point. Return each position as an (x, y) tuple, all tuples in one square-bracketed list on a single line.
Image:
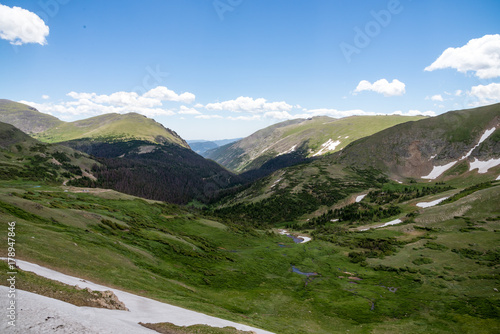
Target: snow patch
[(40, 314), (432, 156), (304, 238), (498, 178), (360, 198), (483, 166), (330, 145), (141, 309), (276, 182), (292, 149), (429, 204), (438, 170), (392, 222), (485, 136)]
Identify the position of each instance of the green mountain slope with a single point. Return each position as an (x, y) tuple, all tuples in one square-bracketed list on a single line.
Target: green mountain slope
[(404, 153), (434, 270), (108, 127), (137, 156), (166, 172), (22, 157), (431, 147), (435, 273), (113, 127), (310, 137), (26, 118)]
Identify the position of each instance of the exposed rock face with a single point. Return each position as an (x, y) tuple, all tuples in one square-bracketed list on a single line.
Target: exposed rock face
[(105, 299)]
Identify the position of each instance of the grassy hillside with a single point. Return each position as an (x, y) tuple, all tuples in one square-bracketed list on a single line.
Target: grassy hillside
[(114, 127), (405, 153), (164, 172), (26, 118), (22, 157), (435, 273), (310, 137), (411, 150)]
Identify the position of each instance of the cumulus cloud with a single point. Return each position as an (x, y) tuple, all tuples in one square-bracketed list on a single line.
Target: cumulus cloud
[(357, 112), (382, 86), (437, 97), (279, 115), (92, 104), (164, 94), (45, 97), (245, 118), (20, 26), (248, 104), (415, 113), (188, 111), (480, 55), (486, 94), (333, 113), (209, 116)]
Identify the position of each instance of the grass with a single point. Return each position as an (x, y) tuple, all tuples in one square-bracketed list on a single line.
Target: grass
[(252, 152), (241, 274), (168, 328), (111, 127)]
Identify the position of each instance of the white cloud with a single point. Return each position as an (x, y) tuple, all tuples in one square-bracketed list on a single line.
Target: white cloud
[(91, 104), (188, 111), (458, 92), (486, 94), (245, 118), (333, 113), (20, 26), (208, 116), (417, 113), (68, 110), (480, 55), (45, 97), (164, 94), (248, 104), (437, 97), (279, 115), (382, 86), (357, 112)]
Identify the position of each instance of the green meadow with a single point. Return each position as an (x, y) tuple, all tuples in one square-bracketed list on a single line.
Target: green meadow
[(437, 272)]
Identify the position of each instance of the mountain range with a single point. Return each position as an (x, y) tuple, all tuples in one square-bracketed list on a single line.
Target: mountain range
[(311, 137), (393, 232), (136, 155)]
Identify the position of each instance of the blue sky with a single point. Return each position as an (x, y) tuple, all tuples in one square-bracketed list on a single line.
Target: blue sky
[(226, 68)]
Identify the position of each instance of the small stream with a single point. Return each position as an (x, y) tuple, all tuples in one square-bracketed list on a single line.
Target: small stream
[(297, 271)]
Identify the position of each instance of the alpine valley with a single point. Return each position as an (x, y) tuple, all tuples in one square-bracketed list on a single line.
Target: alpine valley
[(365, 224)]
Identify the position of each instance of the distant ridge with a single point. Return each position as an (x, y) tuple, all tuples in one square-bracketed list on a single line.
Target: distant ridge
[(311, 137), (108, 127), (417, 149), (26, 118)]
